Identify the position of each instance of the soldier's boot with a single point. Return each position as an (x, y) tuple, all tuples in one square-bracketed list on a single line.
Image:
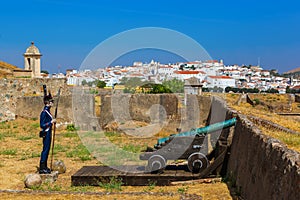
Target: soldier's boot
[(47, 168), (43, 169)]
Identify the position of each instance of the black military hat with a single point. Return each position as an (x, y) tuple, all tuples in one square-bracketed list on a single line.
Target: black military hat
[(47, 98)]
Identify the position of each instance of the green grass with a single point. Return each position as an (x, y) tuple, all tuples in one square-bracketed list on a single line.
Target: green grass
[(9, 152), (183, 190), (24, 138), (59, 148), (27, 155), (71, 127), (9, 133), (70, 134), (48, 187), (80, 152), (150, 187), (35, 125), (112, 134), (113, 185), (4, 125), (291, 140), (134, 148)]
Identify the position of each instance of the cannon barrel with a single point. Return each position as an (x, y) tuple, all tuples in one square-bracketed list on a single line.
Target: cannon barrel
[(200, 131)]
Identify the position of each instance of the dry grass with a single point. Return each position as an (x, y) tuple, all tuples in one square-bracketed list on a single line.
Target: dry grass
[(290, 122), (19, 155)]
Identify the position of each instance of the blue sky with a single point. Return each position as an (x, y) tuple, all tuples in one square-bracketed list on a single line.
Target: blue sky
[(239, 32)]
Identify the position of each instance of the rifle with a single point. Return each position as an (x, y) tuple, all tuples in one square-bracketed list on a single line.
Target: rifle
[(54, 128)]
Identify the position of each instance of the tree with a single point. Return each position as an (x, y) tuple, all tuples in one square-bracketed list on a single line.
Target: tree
[(132, 82), (175, 85), (100, 84), (44, 71), (159, 88), (181, 67), (228, 89), (84, 82), (288, 89)]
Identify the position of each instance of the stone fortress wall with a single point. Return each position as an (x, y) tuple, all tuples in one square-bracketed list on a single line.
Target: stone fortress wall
[(259, 166), (14, 91)]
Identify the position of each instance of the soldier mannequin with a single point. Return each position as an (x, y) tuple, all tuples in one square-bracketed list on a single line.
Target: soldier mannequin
[(46, 121)]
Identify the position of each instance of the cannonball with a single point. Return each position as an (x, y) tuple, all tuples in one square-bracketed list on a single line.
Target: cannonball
[(33, 181), (59, 166)]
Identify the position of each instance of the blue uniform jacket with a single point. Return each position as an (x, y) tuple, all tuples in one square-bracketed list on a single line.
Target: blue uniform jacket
[(45, 119)]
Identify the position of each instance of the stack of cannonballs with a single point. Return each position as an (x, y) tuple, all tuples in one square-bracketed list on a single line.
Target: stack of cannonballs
[(35, 180)]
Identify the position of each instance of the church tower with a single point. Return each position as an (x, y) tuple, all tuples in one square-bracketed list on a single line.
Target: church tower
[(32, 60)]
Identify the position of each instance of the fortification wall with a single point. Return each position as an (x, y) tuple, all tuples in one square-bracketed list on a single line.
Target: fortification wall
[(13, 89), (31, 107), (262, 167), (259, 166), (137, 107)]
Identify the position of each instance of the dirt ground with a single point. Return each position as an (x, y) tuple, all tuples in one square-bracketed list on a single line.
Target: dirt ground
[(20, 153)]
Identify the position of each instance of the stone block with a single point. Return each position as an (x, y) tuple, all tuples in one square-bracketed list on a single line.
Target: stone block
[(49, 178), (59, 166), (33, 181)]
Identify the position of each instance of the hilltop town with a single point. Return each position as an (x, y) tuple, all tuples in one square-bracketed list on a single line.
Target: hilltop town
[(210, 74)]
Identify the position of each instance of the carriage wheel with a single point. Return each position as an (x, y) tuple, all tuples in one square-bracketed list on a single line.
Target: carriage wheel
[(156, 164), (197, 162)]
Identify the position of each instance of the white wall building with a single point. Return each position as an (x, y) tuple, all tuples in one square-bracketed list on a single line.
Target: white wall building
[(220, 81), (165, 70), (183, 75)]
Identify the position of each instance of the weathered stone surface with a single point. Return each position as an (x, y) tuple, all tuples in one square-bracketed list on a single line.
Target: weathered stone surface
[(12, 89), (138, 107), (59, 166), (262, 167), (32, 181), (35, 105), (49, 178)]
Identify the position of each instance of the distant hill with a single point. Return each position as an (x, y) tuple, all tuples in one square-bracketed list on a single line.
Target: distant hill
[(296, 70)]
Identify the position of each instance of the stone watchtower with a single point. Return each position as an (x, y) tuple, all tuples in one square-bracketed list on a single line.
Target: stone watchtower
[(32, 60)]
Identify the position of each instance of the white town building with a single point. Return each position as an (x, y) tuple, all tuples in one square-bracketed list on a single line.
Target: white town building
[(220, 81), (183, 75)]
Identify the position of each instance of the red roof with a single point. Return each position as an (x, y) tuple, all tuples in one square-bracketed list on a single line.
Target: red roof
[(220, 77), (193, 62), (212, 61), (296, 87), (189, 72), (137, 74)]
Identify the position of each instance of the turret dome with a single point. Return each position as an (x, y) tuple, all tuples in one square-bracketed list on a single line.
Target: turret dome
[(32, 50)]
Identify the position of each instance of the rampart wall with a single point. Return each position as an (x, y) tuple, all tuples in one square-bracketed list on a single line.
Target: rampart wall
[(13, 89), (259, 166)]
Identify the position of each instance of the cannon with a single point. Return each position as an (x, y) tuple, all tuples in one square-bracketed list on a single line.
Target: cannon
[(187, 145)]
